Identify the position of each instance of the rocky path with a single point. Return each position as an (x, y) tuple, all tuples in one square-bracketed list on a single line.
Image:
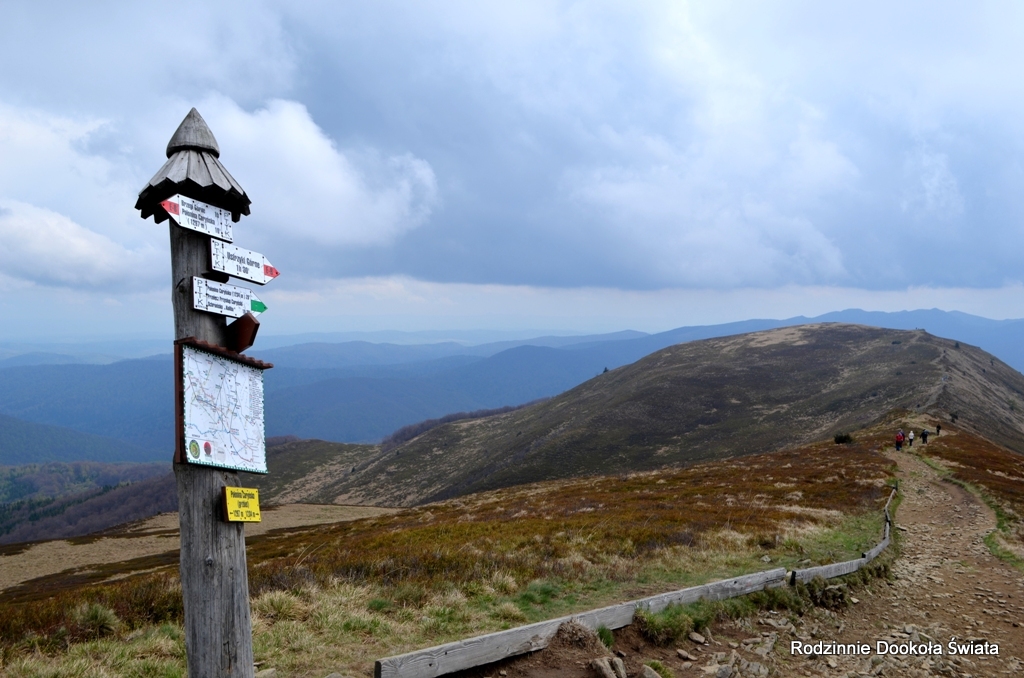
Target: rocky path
[(946, 585)]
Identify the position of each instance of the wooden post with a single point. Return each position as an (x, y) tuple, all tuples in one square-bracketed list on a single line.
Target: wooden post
[(214, 581)]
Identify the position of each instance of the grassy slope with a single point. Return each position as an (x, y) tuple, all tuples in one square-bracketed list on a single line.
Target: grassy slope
[(296, 468), (698, 401), (335, 598), (338, 596)]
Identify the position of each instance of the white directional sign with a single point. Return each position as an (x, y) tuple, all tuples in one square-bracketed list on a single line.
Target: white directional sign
[(222, 412), (198, 216), (241, 263), (229, 300)]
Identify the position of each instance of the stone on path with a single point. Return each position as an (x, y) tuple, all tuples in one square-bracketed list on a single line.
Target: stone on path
[(602, 667)]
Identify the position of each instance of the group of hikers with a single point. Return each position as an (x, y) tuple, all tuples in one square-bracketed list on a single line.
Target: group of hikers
[(909, 437)]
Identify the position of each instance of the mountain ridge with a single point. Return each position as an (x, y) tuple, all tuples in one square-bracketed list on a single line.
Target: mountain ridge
[(362, 402), (700, 401)]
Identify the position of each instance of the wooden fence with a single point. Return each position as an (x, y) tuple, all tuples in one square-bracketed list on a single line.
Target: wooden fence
[(465, 654)]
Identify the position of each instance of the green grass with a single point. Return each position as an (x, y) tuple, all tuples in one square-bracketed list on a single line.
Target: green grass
[(660, 669)]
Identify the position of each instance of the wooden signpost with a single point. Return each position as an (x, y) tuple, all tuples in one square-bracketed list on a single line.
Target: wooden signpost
[(229, 300), (218, 394)]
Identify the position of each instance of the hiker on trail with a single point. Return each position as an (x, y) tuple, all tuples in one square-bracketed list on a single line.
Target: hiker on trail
[(924, 436), (899, 440), (938, 429), (910, 438)]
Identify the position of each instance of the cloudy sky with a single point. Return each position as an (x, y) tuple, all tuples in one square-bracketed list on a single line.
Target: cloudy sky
[(506, 165)]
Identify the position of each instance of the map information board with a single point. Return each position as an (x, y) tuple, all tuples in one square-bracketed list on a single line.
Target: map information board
[(222, 412)]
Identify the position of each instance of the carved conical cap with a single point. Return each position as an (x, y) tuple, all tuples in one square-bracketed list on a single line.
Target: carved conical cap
[(193, 169), (193, 134)]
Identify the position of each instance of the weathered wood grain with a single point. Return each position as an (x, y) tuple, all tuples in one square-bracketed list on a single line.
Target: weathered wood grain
[(874, 553), (193, 133), (719, 590), (190, 254), (464, 654), (192, 167), (827, 571), (214, 581)]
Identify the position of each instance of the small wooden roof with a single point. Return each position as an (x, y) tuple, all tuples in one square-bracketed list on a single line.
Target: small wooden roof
[(193, 168)]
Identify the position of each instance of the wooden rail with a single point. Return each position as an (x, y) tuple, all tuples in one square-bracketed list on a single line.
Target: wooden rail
[(850, 566), (465, 654)]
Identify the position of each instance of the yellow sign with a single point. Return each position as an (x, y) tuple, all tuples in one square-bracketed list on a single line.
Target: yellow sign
[(241, 505)]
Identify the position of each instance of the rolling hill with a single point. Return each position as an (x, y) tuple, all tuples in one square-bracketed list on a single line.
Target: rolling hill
[(702, 400), (28, 482), (25, 442)]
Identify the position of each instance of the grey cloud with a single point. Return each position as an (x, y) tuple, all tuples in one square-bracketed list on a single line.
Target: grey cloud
[(622, 145)]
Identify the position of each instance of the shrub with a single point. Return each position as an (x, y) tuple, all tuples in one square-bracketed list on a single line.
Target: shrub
[(665, 627), (410, 595), (509, 612), (97, 620), (843, 439), (278, 605)]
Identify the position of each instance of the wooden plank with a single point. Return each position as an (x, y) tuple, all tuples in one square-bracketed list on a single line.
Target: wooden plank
[(828, 571), (873, 553), (465, 654), (719, 590)]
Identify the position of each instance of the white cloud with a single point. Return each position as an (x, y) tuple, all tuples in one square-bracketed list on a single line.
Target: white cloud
[(66, 212), (304, 187), (42, 246)]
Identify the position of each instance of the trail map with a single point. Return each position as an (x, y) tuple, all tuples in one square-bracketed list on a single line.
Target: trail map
[(223, 412)]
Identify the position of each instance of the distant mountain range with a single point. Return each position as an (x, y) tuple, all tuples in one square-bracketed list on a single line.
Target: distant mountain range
[(358, 391)]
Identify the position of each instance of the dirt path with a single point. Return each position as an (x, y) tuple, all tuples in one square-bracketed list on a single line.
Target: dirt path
[(946, 584)]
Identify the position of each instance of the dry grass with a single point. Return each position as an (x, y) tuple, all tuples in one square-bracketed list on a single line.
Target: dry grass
[(334, 598)]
